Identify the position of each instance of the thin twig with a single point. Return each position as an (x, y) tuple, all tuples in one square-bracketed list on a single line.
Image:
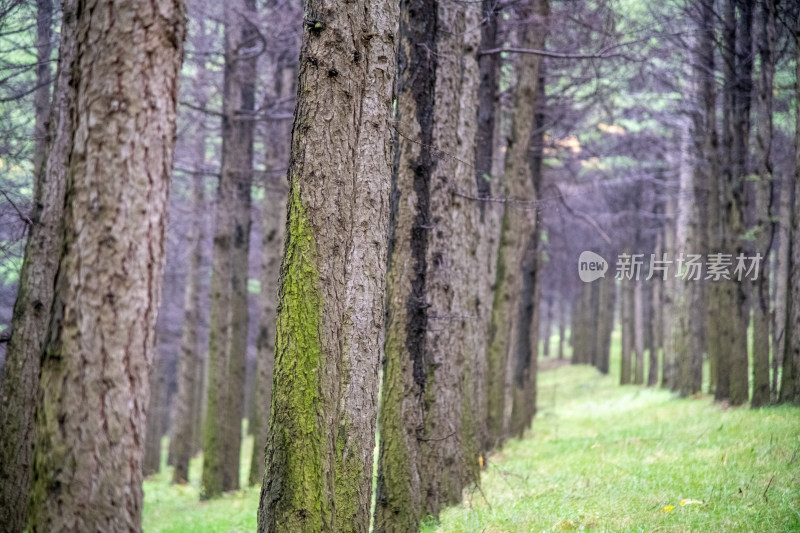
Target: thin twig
[(768, 486), (25, 218)]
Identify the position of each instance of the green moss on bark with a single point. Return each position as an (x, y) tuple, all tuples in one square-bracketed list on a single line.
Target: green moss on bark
[(296, 442)]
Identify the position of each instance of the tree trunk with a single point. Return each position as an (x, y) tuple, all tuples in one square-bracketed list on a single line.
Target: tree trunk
[(732, 368), (200, 404), (713, 228), (547, 326), (189, 359), (35, 293), (331, 302), (626, 317), (655, 319), (764, 192), (518, 224), (41, 97), (790, 379), (527, 344), (686, 334), (240, 159), (273, 219), (431, 415), (782, 289), (156, 414), (605, 317), (638, 333), (488, 180), (93, 392), (649, 334), (216, 450), (562, 324)]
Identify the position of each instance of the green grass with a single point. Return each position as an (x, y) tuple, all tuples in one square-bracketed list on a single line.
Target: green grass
[(178, 509), (600, 457)]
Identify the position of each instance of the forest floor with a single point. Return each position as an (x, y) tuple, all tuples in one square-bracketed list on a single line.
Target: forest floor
[(600, 457)]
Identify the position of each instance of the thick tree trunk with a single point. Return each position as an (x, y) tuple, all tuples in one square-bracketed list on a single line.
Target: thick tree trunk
[(93, 393), (431, 417), (35, 294), (518, 224), (331, 302), (526, 352), (764, 191), (488, 65), (488, 181)]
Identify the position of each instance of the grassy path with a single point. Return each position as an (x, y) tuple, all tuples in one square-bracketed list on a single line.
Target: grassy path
[(600, 457)]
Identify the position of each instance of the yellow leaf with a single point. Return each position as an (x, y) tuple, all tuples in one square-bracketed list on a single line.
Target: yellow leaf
[(667, 509), (690, 502)]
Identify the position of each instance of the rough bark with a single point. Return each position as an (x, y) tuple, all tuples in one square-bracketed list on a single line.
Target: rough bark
[(764, 191), (93, 392), (526, 353), (438, 292), (35, 293), (331, 302), (517, 226), (487, 100), (488, 181)]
